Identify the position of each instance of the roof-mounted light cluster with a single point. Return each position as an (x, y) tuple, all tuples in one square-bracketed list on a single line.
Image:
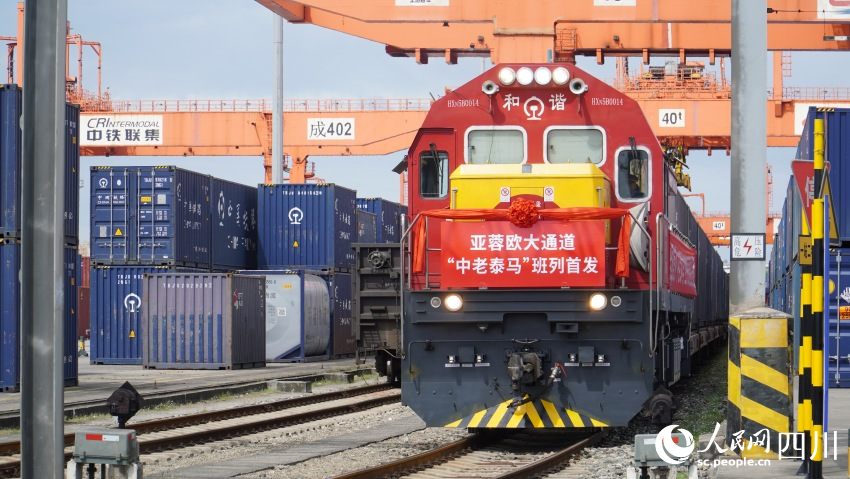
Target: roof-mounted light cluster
[(542, 76)]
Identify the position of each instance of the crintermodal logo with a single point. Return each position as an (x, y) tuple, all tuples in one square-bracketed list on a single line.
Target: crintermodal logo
[(668, 447)]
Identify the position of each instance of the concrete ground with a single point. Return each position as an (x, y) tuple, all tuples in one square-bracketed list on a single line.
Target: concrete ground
[(834, 466)]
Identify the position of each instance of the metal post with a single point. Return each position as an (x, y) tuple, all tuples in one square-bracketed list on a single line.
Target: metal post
[(804, 382), (42, 286), (277, 103), (816, 467), (749, 156)]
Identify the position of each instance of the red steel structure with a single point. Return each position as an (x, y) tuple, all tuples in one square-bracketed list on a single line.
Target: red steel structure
[(686, 105)]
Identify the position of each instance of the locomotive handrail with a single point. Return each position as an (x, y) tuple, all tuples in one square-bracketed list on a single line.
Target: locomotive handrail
[(658, 280), (645, 232), (405, 258)]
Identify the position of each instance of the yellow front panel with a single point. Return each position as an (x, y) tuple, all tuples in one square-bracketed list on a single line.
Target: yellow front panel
[(481, 186), (556, 186)]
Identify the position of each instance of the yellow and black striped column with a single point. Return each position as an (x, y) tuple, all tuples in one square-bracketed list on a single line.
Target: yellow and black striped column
[(759, 380), (804, 382), (816, 466)]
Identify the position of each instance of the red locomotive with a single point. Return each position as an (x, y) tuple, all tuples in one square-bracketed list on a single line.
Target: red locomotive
[(555, 275)]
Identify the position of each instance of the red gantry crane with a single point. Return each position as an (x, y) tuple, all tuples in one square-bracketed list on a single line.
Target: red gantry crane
[(688, 105)]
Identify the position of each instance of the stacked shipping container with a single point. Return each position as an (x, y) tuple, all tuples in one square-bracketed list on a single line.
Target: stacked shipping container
[(308, 231), (784, 270), (147, 220), (10, 231), (390, 217), (203, 321), (297, 316)]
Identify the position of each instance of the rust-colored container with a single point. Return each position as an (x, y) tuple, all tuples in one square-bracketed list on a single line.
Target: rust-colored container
[(85, 271), (84, 312)]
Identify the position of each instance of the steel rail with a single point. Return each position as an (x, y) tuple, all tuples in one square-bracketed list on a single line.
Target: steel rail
[(408, 464), (444, 453), (553, 461), (10, 466), (147, 446)]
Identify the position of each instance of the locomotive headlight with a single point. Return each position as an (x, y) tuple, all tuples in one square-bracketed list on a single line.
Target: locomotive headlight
[(597, 301), (453, 302), (524, 76), (542, 76), (507, 76), (436, 302), (561, 76)]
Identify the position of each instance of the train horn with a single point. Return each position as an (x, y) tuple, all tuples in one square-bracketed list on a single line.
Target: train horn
[(578, 86), (489, 87)]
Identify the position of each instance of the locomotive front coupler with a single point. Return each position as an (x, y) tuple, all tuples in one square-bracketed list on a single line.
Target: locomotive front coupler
[(553, 375), (524, 364)]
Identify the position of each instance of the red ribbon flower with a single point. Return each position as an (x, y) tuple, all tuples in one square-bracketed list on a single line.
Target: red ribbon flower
[(523, 213)]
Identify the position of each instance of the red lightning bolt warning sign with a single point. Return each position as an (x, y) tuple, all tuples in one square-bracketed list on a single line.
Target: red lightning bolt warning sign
[(747, 246)]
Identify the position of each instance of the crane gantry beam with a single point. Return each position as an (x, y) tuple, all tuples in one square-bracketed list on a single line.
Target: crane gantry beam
[(554, 29), (243, 128)]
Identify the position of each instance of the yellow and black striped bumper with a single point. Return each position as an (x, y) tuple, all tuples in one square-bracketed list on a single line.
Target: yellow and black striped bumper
[(759, 381), (534, 414)]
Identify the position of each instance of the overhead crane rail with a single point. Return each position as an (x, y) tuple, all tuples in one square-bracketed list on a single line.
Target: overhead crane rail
[(263, 105)]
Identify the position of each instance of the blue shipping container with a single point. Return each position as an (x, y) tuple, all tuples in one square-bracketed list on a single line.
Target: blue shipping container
[(389, 218), (306, 226), (10, 322), (11, 153), (343, 334), (234, 225), (115, 311), (150, 216), (838, 339), (367, 227), (837, 149)]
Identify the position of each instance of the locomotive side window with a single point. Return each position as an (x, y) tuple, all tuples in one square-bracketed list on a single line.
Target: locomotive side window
[(633, 174), (575, 146), (434, 174), (495, 146)]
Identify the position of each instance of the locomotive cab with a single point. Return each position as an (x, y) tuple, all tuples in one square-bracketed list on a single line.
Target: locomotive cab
[(551, 278)]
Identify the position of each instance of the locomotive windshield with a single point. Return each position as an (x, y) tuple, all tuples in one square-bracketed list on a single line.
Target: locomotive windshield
[(434, 173), (495, 146), (574, 146), (633, 174)]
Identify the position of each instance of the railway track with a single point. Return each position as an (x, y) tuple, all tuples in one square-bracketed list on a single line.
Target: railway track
[(183, 431), (515, 456)]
